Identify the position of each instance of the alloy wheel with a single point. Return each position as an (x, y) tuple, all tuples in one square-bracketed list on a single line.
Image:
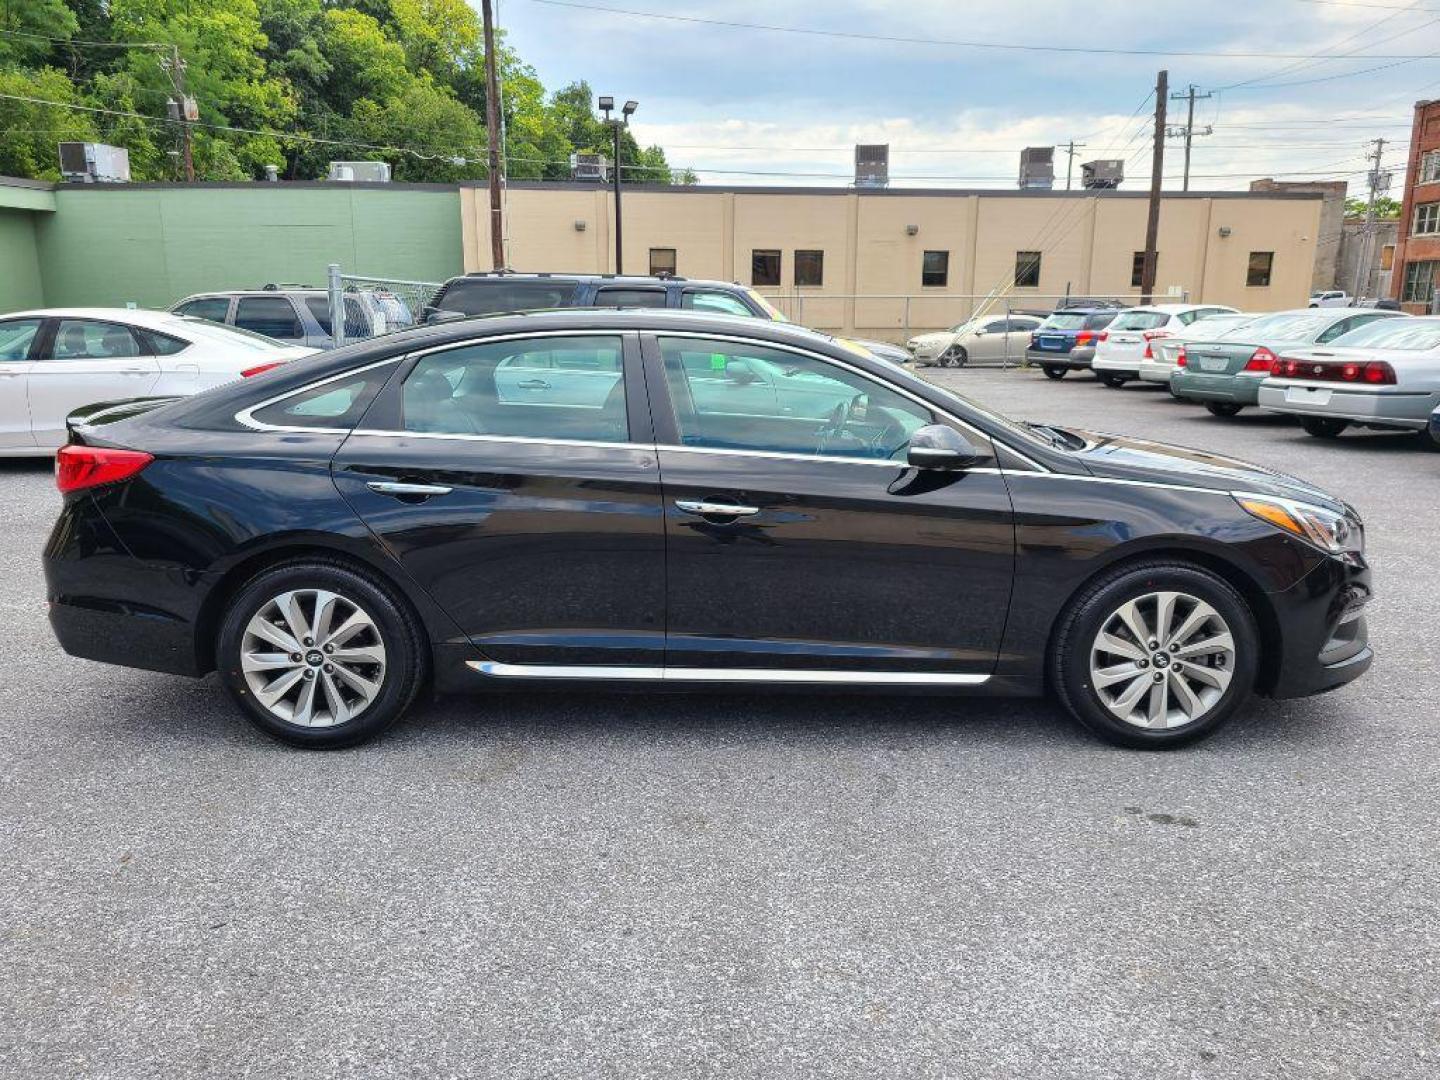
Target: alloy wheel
[(1162, 660), (312, 658)]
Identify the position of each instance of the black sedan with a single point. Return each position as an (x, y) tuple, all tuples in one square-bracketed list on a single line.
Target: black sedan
[(651, 497)]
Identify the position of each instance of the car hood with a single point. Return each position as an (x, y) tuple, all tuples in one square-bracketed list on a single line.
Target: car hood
[(1122, 457), (922, 341)]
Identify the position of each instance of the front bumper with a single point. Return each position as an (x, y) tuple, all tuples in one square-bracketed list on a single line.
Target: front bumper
[(1232, 389), (1408, 410), (1323, 638)]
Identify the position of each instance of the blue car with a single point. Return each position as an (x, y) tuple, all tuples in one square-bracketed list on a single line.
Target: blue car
[(1066, 339)]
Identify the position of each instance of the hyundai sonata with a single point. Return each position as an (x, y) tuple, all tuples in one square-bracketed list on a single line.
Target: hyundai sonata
[(650, 497)]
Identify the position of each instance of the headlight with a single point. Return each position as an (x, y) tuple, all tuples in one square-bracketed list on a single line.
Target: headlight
[(1334, 533)]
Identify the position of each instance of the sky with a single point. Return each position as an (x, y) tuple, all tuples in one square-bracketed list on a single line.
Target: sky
[(743, 105)]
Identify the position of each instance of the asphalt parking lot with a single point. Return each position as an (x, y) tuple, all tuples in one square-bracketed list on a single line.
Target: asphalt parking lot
[(797, 886)]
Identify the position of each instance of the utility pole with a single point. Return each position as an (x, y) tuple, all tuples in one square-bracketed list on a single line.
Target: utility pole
[(1379, 181), (1070, 149), (1188, 131), (182, 108), (1157, 173), (492, 137)]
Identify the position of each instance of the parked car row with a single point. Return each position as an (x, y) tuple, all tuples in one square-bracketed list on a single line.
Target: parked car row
[(1332, 367)]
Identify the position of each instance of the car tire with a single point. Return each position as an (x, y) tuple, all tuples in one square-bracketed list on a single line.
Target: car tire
[(955, 357), (1322, 427), (1198, 693), (1114, 382), (1054, 372), (1222, 408), (343, 702)]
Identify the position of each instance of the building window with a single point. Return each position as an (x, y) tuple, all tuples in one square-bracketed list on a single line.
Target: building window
[(1137, 269), (1258, 272), (1419, 282), (809, 268), (1427, 219), (662, 261), (935, 270), (764, 267), (1387, 257), (1429, 167), (1027, 269)]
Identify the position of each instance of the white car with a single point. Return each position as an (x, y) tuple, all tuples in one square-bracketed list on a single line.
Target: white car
[(56, 360), (986, 337), (1159, 364), (1126, 341), (1330, 298)]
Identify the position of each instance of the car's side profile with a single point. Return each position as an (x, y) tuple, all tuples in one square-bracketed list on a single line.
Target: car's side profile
[(748, 504), (997, 336)]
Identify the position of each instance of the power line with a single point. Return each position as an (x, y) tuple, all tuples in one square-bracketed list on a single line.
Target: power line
[(88, 44), (1088, 50), (1329, 54)]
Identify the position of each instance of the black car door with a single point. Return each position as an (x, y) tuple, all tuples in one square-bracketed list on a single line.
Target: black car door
[(535, 523), (797, 536)]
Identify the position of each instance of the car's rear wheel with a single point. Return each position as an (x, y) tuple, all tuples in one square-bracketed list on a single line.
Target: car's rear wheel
[(320, 656), (1323, 427), (1155, 655), (1223, 408), (1112, 381), (1053, 371)]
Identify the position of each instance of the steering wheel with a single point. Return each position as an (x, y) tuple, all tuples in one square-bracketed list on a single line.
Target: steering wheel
[(836, 435)]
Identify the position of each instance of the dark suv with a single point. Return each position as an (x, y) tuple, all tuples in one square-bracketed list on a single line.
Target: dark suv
[(491, 293), (1067, 339)]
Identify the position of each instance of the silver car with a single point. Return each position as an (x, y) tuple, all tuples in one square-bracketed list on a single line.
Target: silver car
[(1385, 375), (1158, 363)]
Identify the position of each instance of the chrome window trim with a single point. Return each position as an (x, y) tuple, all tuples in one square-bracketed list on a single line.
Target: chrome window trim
[(902, 391), (496, 670)]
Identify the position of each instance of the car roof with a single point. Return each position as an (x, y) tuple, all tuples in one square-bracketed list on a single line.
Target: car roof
[(608, 279), (143, 317)]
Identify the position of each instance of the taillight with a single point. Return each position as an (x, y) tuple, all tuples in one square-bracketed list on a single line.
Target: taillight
[(260, 369), (80, 467), (1181, 360), (1104, 335), (1084, 337), (1371, 372), (1262, 359)]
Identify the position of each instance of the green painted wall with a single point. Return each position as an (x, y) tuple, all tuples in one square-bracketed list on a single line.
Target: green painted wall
[(153, 245), (19, 262)]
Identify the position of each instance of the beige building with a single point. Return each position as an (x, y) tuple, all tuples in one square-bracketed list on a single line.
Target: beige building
[(890, 262)]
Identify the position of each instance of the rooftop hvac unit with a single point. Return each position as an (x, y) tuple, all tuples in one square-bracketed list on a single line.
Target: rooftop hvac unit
[(1037, 167), (1104, 173), (94, 163), (591, 167), (872, 165), (360, 172)]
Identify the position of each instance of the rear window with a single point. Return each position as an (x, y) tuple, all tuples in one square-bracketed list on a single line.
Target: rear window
[(1139, 320), (1394, 334), (489, 296), (1098, 320), (1064, 320), (1290, 326)]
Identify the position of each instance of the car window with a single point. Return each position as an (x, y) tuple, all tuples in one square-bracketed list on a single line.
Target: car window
[(1064, 320), (1023, 324), (994, 326), (16, 336), (272, 316), (336, 404), (85, 339), (1139, 320), (646, 298), (1394, 334), (164, 344), (541, 388), (1290, 325), (1099, 320), (751, 397), (714, 301), (320, 310), (214, 308), (486, 296)]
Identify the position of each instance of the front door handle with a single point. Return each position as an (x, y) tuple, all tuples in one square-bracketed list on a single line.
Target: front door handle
[(533, 384), (712, 509), (395, 487)]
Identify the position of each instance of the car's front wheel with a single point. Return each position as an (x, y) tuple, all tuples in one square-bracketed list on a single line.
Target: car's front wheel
[(1054, 371), (1155, 655), (318, 655), (1323, 427), (1112, 381), (955, 356), (1223, 408)]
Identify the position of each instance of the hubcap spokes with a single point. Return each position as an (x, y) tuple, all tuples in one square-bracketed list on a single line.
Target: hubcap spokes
[(1162, 660), (313, 658)]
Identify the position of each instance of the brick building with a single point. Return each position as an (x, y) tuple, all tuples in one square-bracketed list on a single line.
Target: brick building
[(1417, 251)]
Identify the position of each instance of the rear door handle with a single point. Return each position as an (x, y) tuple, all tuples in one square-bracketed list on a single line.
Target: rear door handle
[(711, 509), (395, 487)]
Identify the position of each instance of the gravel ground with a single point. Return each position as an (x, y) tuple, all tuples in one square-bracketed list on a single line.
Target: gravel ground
[(767, 887)]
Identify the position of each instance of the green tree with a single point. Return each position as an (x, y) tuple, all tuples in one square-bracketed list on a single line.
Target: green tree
[(29, 132), (43, 18), (1385, 207)]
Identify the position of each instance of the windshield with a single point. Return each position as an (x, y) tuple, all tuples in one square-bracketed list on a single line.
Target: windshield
[(232, 336), (1394, 334), (1139, 320), (1064, 321), (1290, 326)]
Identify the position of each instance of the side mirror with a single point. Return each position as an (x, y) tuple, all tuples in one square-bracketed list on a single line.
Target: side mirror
[(936, 446)]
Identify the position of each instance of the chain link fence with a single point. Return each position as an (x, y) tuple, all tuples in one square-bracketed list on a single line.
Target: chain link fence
[(364, 306)]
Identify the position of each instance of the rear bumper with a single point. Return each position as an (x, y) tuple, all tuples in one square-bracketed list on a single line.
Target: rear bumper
[(1049, 358), (1232, 389), (1324, 638), (1118, 365), (1410, 410), (1154, 372)]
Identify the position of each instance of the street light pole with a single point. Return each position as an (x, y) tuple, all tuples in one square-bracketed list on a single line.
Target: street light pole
[(606, 105)]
